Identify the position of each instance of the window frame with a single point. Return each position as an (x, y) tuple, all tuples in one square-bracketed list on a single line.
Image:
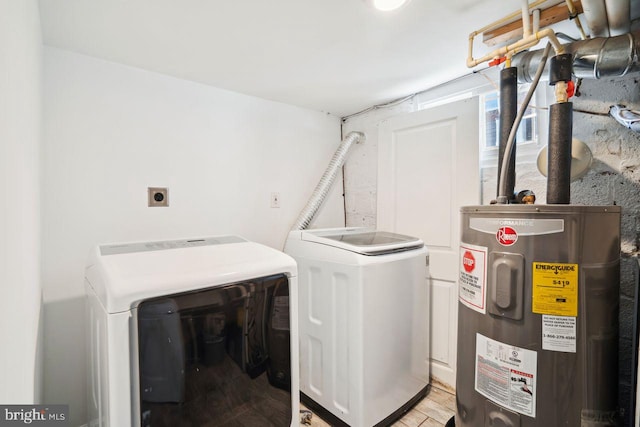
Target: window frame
[(526, 151)]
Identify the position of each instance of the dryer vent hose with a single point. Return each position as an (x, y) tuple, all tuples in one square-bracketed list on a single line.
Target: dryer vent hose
[(323, 187)]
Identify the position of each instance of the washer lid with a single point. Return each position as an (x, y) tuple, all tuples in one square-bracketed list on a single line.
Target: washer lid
[(364, 241)]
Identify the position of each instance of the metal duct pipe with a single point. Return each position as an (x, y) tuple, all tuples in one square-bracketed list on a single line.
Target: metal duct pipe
[(615, 57), (508, 112), (559, 152), (592, 58), (595, 12), (618, 16), (323, 187)]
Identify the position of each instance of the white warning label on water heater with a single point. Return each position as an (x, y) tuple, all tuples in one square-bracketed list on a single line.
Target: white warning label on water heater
[(472, 281), (559, 333), (506, 375)]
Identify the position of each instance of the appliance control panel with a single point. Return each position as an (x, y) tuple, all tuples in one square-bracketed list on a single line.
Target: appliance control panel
[(126, 248)]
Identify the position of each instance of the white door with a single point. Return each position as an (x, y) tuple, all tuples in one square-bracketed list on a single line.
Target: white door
[(428, 168)]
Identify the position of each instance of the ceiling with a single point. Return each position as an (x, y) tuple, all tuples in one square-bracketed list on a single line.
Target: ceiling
[(336, 56)]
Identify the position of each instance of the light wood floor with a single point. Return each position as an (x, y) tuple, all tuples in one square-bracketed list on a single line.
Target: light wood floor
[(434, 410)]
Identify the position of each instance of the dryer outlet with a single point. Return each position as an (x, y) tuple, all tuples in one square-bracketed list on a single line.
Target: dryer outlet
[(157, 197)]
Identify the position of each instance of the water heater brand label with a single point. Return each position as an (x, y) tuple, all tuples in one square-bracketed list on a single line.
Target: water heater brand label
[(506, 236), (555, 289), (525, 226), (506, 375), (473, 277)]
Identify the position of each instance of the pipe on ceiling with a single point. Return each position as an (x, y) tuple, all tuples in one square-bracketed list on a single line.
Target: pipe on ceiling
[(526, 20), (527, 41), (607, 18), (592, 58), (618, 16), (595, 12)]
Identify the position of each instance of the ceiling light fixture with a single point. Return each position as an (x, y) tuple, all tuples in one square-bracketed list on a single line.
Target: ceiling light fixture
[(387, 5)]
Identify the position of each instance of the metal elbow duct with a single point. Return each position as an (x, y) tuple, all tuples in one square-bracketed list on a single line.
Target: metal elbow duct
[(323, 187), (592, 58), (606, 57)]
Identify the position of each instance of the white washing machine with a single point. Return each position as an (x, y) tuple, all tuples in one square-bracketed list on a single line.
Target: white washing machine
[(192, 333), (363, 323)]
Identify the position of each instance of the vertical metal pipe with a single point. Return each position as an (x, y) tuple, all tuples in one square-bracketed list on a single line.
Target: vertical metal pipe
[(618, 16), (595, 12), (559, 153), (508, 112)]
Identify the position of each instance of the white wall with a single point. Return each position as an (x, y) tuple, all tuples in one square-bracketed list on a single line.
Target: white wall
[(20, 144), (111, 131)]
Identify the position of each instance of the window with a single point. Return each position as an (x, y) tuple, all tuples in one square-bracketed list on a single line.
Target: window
[(490, 107), (490, 103)]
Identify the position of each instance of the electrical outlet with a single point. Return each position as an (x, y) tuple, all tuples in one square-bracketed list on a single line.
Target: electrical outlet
[(275, 200), (157, 197)]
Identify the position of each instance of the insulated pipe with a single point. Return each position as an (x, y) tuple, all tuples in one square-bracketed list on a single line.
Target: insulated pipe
[(595, 12), (502, 193), (592, 58), (508, 111), (559, 153), (618, 16), (323, 187)]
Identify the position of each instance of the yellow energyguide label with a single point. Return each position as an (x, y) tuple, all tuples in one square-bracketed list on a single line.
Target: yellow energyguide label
[(555, 289)]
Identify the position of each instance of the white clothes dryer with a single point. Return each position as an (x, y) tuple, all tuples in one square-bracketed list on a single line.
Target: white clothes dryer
[(363, 323), (192, 333)]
